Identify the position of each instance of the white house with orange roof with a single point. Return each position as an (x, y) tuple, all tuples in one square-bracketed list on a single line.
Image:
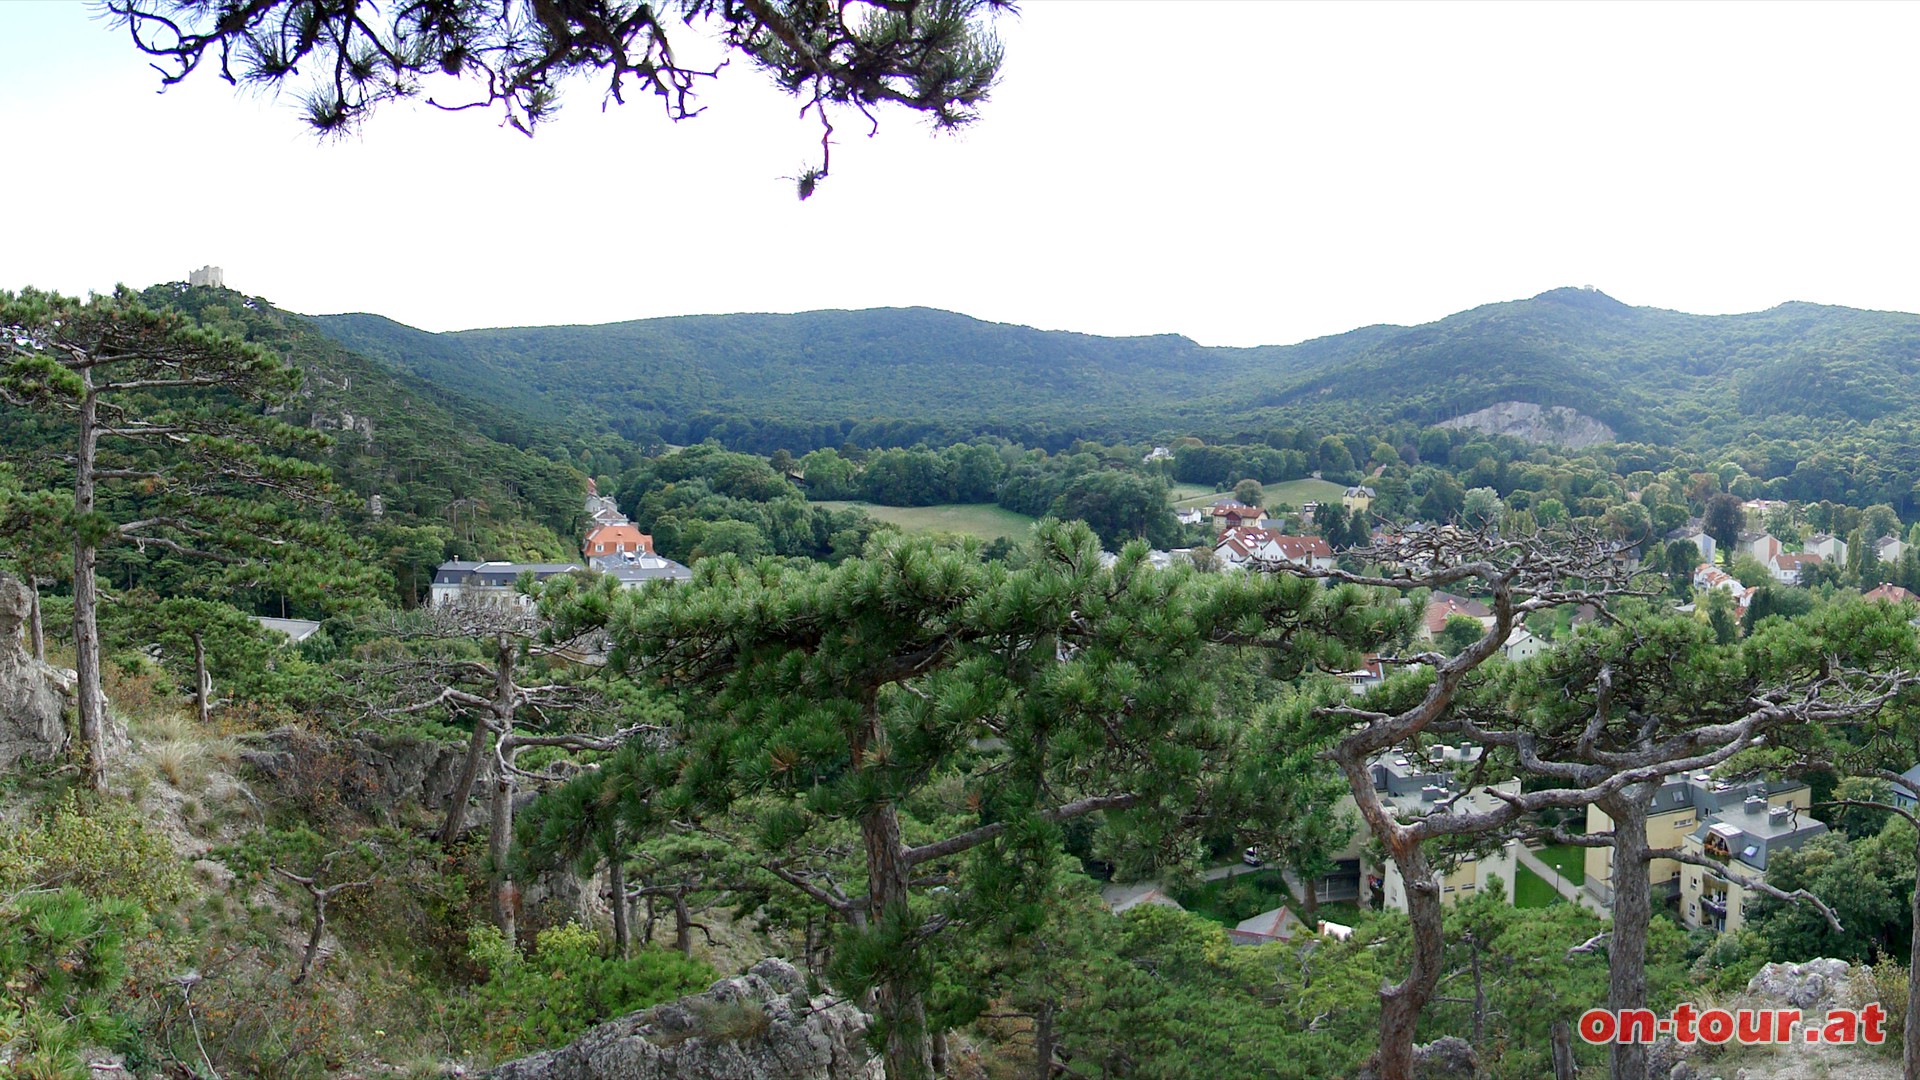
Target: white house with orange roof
[(613, 541), (1246, 546)]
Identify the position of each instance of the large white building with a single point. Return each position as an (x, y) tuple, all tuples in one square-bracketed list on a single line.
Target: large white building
[(1415, 786), (496, 582)]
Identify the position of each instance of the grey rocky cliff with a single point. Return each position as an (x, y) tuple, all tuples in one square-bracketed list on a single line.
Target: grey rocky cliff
[(801, 1038), (374, 772), (1554, 425), (33, 695)]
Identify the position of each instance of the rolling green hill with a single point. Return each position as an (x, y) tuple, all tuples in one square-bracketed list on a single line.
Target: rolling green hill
[(822, 377), (896, 376), (496, 479)]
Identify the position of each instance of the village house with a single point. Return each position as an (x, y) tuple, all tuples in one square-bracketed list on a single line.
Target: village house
[(633, 571), (1736, 824), (495, 583), (491, 583), (605, 541), (602, 508), (1369, 674), (1522, 645), (1693, 534), (1712, 577), (1762, 546), (1442, 606), (1241, 547), (1413, 786), (1892, 594), (1158, 453), (1232, 514), (1357, 498), (291, 631), (1888, 549), (1903, 798), (1786, 567), (1828, 547), (1280, 924)]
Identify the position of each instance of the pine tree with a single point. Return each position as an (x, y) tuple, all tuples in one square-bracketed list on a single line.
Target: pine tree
[(834, 697), (165, 447)]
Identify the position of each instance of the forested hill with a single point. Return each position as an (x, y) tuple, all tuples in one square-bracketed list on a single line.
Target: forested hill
[(453, 472), (896, 376), (884, 376)]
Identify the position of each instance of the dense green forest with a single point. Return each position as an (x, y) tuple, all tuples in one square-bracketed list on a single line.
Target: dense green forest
[(898, 376)]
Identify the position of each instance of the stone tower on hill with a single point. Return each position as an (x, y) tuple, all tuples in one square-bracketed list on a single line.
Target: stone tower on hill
[(210, 276)]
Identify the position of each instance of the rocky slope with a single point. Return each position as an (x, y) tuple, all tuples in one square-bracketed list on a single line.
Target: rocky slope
[(1554, 425), (758, 1026), (33, 695)]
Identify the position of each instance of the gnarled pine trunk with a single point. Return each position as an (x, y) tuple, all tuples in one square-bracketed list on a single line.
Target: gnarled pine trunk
[(1632, 912), (908, 1054), (506, 894), (90, 703), (1401, 1005)]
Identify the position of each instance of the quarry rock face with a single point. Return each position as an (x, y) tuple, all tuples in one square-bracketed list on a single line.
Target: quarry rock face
[(757, 1026), (1555, 425), (33, 695)]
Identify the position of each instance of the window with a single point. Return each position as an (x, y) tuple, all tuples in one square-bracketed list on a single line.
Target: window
[(1683, 823)]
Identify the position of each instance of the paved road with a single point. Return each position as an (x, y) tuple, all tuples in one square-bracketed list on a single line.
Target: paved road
[(1232, 869), (1576, 893)]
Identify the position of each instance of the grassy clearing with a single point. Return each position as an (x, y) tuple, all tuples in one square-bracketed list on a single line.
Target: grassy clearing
[(1290, 492), (1194, 494), (984, 520), (1569, 860), (1530, 890)]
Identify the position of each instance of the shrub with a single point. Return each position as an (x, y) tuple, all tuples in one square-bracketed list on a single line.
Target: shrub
[(100, 848), (566, 985), (1890, 984), (63, 961)]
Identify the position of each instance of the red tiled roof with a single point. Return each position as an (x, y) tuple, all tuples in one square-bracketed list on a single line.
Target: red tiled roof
[(1892, 594), (1245, 541), (1442, 606), (612, 539)]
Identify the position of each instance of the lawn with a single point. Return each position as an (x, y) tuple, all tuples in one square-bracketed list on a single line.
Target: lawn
[(984, 520), (1530, 890), (1195, 495), (1290, 492), (1569, 860), (1242, 896)]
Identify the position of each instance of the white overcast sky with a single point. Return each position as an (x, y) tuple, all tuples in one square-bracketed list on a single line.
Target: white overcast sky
[(1240, 173)]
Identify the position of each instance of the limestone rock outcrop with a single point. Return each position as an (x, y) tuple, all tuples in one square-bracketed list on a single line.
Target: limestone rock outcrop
[(757, 1026), (1554, 425), (33, 695)]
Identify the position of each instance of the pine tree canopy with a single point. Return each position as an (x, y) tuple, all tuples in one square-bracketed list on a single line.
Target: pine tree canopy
[(936, 57)]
